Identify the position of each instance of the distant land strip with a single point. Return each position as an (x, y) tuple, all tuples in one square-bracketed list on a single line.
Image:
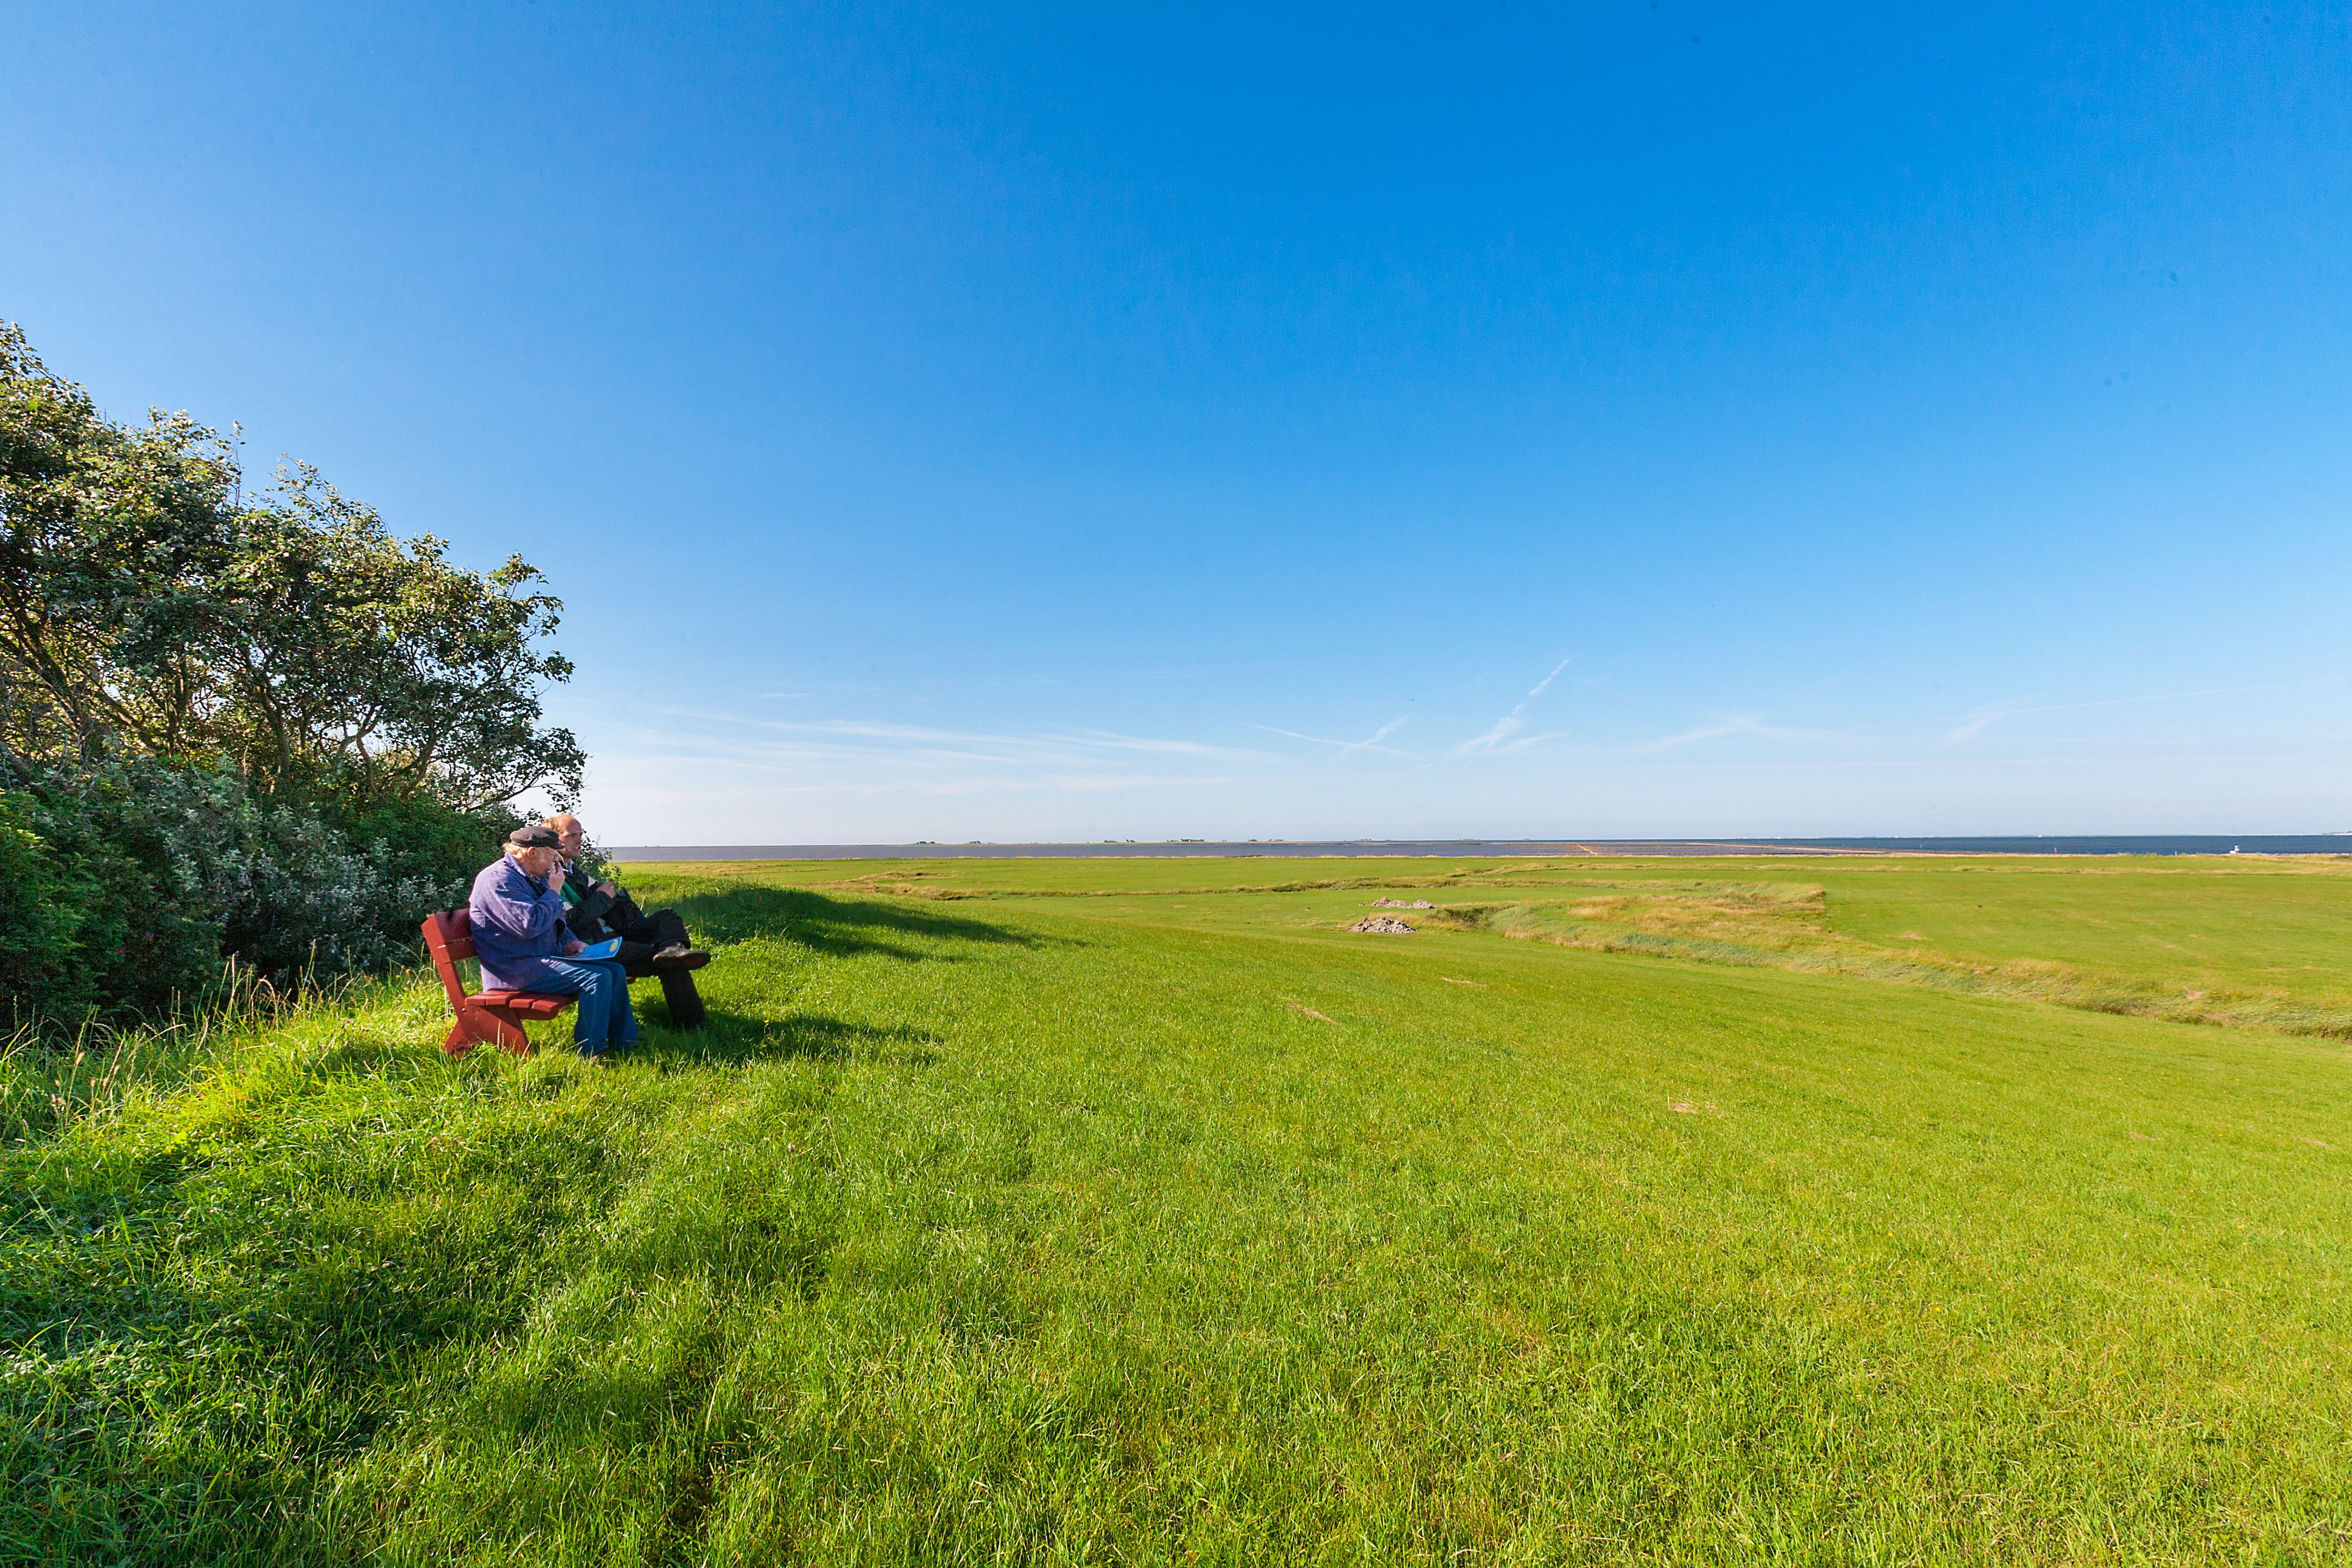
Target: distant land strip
[(2182, 844)]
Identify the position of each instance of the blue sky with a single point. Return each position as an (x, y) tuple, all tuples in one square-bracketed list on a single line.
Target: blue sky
[(1487, 420)]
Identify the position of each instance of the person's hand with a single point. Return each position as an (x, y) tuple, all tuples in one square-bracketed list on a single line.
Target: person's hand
[(572, 944), (610, 889)]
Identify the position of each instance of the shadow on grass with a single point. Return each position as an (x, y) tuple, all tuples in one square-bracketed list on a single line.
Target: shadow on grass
[(732, 1037), (839, 928)]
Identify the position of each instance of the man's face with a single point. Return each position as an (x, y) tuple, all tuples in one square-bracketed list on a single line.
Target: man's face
[(537, 862), (570, 833)]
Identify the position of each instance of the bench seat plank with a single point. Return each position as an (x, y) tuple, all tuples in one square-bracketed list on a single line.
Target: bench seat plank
[(538, 1003)]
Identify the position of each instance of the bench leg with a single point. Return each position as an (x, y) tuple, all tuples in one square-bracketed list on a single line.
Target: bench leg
[(505, 1030), (486, 1026)]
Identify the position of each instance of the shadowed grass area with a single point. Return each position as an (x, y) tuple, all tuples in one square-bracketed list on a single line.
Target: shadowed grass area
[(728, 912), (1108, 1230)]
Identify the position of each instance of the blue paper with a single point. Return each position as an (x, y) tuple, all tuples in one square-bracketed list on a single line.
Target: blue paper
[(596, 949)]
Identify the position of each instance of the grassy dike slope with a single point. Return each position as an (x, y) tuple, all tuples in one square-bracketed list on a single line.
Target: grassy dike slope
[(994, 1231)]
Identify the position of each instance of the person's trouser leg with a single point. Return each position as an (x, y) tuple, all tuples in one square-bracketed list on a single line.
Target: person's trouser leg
[(604, 1019), (620, 1019), (679, 990), (686, 1008), (663, 928)]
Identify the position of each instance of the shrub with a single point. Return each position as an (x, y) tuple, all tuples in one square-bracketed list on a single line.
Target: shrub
[(46, 907), (122, 939), (130, 882)]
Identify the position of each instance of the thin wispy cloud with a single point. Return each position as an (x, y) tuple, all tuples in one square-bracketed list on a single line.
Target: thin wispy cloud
[(1976, 723), (1538, 688), (1498, 737), (1137, 744), (1509, 724), (1737, 725), (1985, 719), (855, 756), (923, 735), (1346, 748), (952, 784)]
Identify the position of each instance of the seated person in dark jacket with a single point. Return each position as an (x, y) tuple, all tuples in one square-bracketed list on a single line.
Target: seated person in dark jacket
[(653, 944)]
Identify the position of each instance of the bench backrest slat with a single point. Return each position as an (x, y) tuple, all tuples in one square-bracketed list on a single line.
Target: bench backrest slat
[(449, 937)]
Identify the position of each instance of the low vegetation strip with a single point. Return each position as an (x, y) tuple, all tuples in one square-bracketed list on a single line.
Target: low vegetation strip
[(2239, 944), (1786, 928), (999, 1231)]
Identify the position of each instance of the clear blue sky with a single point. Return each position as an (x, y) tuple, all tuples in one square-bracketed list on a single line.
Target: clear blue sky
[(1487, 420)]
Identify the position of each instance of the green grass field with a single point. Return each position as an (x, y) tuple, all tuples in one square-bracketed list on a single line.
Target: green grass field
[(1670, 1211)]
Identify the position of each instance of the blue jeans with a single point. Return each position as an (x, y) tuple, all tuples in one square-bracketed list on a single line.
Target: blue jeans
[(605, 1020)]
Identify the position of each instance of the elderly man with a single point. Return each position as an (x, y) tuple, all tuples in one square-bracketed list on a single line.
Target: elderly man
[(653, 944), (523, 944), (596, 910)]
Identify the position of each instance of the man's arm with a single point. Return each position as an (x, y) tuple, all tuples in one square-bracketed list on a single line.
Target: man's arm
[(595, 902)]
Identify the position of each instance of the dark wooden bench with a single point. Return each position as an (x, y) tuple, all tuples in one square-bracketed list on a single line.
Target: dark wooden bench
[(485, 1018)]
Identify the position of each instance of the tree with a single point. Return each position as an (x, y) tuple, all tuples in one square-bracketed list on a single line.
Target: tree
[(355, 660), (143, 602), (109, 541)]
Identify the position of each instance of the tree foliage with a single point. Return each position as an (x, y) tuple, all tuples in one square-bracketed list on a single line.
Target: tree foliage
[(146, 602), (252, 726)]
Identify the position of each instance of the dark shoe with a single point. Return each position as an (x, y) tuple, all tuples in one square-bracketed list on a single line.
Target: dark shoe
[(678, 958)]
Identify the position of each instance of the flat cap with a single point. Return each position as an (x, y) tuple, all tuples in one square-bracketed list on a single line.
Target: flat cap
[(532, 835)]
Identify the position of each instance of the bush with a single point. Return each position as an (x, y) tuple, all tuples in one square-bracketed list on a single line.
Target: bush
[(92, 925), (128, 883), (423, 836), (47, 906)]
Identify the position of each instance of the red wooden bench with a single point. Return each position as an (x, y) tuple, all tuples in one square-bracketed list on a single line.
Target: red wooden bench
[(486, 1018)]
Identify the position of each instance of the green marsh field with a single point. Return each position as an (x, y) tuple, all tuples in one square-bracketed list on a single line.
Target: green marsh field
[(1828, 1211)]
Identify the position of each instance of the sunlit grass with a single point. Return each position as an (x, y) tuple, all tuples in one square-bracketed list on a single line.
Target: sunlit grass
[(2249, 942), (1014, 1229)]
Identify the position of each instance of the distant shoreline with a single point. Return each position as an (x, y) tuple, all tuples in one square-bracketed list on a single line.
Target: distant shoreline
[(2178, 844)]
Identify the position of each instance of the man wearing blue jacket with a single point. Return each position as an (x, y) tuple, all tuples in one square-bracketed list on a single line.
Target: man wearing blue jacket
[(523, 944)]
